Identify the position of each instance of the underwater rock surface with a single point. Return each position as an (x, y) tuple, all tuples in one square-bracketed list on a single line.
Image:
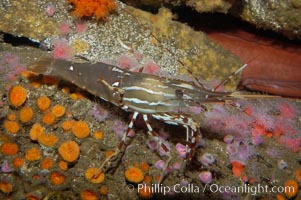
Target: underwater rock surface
[(280, 16), (117, 35)]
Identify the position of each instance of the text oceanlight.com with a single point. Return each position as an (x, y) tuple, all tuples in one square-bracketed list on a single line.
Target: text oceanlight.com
[(214, 188)]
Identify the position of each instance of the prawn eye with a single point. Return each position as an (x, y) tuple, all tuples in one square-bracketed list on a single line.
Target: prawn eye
[(179, 93)]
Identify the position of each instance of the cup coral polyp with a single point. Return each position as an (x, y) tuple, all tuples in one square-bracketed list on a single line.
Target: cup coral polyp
[(58, 110), (69, 151), (103, 190), (88, 195), (17, 96), (67, 125), (33, 154), (134, 175), (6, 187), (18, 162), (46, 163), (93, 176), (11, 126), (293, 188), (26, 114), (63, 165), (43, 103), (145, 192), (48, 140), (35, 131), (48, 118), (57, 178), (9, 149), (89, 8), (81, 129)]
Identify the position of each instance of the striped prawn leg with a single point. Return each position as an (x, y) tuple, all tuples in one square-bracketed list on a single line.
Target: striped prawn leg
[(122, 144), (154, 135), (192, 130), (119, 147)]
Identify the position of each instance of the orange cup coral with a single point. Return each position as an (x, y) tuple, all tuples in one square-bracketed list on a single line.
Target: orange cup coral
[(134, 175), (25, 114), (88, 8), (10, 149), (88, 195), (48, 140), (147, 179), (237, 168), (11, 126), (109, 153), (43, 103), (145, 192), (291, 188), (17, 96), (298, 175), (48, 118), (98, 135), (12, 117), (81, 129), (6, 187), (103, 190), (33, 154), (58, 110), (46, 163), (67, 125), (56, 178), (69, 151), (63, 165), (94, 176), (35, 131), (144, 166), (280, 197), (18, 162)]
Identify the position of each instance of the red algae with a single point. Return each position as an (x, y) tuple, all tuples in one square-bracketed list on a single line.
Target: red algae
[(274, 67)]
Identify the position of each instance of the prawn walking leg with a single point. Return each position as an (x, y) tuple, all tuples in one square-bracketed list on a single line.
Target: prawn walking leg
[(119, 147)]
